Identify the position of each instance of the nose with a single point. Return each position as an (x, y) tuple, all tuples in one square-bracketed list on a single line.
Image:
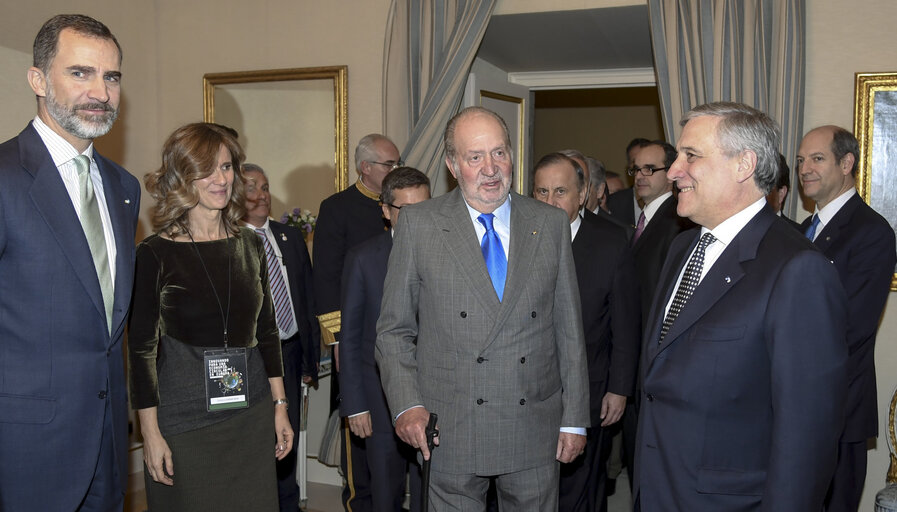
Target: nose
[(676, 170), (99, 89)]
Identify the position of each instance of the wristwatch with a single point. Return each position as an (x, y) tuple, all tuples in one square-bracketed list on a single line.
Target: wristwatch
[(283, 401)]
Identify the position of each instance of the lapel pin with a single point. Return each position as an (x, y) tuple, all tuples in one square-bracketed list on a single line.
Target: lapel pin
[(283, 236), (127, 201), (535, 232), (728, 279)]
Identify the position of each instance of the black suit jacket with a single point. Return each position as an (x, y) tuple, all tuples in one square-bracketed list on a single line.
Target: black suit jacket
[(743, 401), (650, 250), (860, 243), (628, 230), (610, 310), (792, 223), (359, 379), (620, 205), (299, 274)]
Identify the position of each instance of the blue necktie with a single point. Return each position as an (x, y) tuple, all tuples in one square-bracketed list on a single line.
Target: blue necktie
[(494, 253), (811, 231)]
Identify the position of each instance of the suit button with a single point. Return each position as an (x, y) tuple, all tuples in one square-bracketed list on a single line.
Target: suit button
[(523, 401), (533, 314), (101, 395), (464, 314), (480, 360), (650, 397), (522, 360), (479, 401)]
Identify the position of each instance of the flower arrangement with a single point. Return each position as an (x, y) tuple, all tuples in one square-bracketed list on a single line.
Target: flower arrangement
[(302, 219)]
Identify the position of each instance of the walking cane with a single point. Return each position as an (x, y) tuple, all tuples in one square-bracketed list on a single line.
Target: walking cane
[(431, 433)]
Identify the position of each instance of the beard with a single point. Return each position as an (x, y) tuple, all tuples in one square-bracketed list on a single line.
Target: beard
[(83, 126)]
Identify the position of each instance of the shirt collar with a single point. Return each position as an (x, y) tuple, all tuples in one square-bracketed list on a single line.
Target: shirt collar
[(727, 230), (827, 213), (264, 226), (60, 149), (366, 191), (574, 227), (652, 207), (502, 213)]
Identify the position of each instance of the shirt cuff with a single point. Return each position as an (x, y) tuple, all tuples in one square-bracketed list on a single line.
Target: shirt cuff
[(572, 430), (408, 409), (358, 414)]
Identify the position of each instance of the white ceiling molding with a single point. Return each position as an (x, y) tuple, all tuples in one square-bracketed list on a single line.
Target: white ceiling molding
[(585, 79)]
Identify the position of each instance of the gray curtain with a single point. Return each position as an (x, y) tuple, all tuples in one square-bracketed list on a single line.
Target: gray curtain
[(430, 46), (749, 51)]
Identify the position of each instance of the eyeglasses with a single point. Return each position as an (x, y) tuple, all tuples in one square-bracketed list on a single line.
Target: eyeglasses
[(392, 165), (646, 171), (395, 206)]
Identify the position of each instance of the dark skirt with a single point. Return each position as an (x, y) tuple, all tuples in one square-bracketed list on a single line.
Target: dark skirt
[(225, 466)]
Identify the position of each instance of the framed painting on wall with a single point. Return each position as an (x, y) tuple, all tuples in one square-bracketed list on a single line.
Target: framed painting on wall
[(875, 126)]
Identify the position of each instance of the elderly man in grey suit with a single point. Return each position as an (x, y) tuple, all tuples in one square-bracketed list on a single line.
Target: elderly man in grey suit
[(480, 324)]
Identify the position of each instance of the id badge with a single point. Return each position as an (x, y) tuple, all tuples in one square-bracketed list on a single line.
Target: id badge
[(227, 385)]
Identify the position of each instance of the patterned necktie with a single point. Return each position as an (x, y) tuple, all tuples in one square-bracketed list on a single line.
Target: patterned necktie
[(283, 313), (494, 253), (689, 282), (93, 231), (811, 231), (639, 228)]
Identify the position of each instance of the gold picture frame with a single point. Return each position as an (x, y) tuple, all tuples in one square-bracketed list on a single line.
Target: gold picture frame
[(513, 110), (875, 127), (293, 122)]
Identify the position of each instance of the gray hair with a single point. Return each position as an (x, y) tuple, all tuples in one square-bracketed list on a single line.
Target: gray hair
[(597, 171), (448, 138), (253, 168), (745, 128), (844, 142), (364, 151)]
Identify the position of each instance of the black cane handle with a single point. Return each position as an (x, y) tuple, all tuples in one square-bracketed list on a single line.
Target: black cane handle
[(431, 431)]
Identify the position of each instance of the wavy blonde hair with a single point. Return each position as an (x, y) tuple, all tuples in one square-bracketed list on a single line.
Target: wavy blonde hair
[(190, 154)]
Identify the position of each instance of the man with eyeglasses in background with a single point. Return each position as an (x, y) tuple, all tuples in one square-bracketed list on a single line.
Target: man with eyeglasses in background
[(346, 219)]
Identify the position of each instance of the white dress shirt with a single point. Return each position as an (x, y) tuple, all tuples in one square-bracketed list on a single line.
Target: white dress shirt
[(286, 280), (828, 212), (63, 154)]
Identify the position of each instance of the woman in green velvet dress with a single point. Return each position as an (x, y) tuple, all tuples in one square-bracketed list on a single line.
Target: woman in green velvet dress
[(200, 287)]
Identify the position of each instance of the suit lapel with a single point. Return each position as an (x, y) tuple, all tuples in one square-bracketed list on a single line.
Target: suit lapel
[(525, 230), (120, 213), (656, 220), (832, 230), (725, 274), (460, 237), (52, 201)]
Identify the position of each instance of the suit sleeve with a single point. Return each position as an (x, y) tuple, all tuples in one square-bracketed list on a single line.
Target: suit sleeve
[(329, 252), (805, 333), (625, 327), (569, 337), (311, 344), (143, 330), (351, 345), (397, 326)]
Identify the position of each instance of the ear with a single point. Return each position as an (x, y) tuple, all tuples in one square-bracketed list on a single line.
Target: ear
[(583, 196), (385, 210), (747, 165), (37, 81), (846, 163), (448, 163)]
